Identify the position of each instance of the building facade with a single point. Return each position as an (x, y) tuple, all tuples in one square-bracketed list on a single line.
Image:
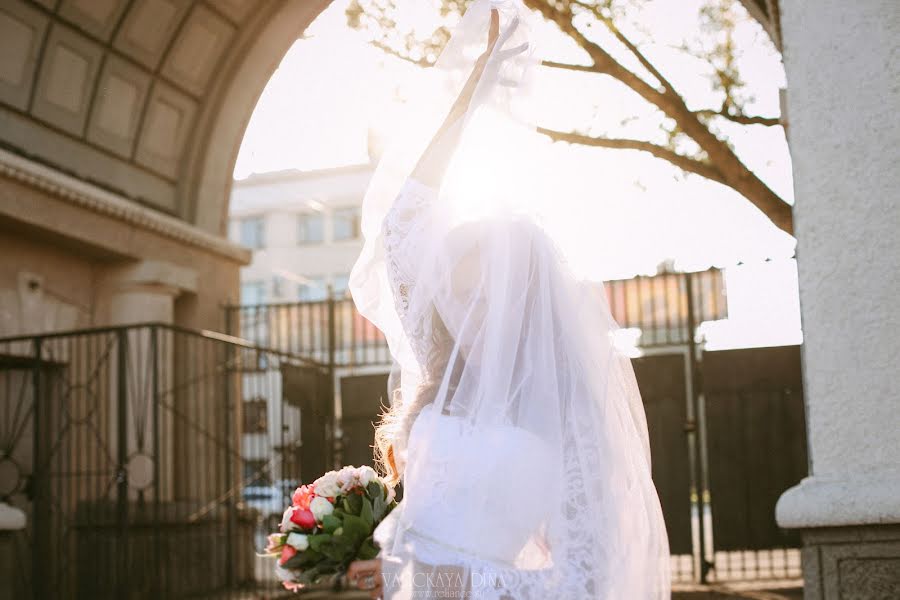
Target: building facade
[(303, 229)]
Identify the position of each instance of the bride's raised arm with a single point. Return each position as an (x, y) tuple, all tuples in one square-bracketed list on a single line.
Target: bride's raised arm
[(433, 163)]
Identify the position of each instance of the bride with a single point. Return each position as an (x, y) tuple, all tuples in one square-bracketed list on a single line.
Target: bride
[(516, 428)]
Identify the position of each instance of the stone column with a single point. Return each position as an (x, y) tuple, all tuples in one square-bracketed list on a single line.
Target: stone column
[(145, 292), (844, 133)]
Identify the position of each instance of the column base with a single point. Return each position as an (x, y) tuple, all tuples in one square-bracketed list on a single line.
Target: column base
[(851, 563)]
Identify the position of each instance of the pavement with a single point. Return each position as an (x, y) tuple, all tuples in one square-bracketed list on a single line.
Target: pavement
[(788, 589)]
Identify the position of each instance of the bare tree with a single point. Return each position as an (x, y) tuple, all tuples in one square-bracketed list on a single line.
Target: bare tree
[(712, 157)]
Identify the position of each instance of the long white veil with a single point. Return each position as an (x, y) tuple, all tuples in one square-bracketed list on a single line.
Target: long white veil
[(547, 454)]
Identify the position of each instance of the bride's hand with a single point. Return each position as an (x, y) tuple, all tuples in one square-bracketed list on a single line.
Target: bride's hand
[(496, 39), (366, 575)]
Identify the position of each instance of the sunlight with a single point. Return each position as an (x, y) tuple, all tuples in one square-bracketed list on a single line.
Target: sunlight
[(614, 213)]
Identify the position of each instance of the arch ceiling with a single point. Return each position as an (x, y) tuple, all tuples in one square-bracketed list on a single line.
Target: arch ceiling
[(149, 98), (145, 98)]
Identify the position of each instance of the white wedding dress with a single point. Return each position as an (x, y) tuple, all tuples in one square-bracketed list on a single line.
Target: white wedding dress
[(456, 459), (523, 443)]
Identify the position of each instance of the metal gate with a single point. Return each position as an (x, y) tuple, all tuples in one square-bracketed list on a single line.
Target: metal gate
[(755, 450), (726, 428), (140, 463), (663, 380)]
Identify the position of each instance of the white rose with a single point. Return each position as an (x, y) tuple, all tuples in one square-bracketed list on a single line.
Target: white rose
[(320, 507), (286, 523), (347, 479), (327, 485), (365, 474), (298, 541)]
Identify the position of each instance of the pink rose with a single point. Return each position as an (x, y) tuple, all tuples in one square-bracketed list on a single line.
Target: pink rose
[(301, 496), (286, 554), (304, 518)]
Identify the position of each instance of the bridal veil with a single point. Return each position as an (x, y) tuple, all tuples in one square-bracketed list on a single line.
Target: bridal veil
[(527, 461)]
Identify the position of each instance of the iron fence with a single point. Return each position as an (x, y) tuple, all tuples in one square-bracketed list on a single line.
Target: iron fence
[(698, 408), (663, 308), (143, 461)]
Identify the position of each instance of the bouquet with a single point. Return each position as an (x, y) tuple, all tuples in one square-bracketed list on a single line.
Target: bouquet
[(329, 525)]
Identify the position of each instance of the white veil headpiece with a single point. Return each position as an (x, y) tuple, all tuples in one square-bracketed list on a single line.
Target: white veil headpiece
[(547, 453)]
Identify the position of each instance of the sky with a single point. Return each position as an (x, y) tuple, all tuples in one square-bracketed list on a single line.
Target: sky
[(619, 213)]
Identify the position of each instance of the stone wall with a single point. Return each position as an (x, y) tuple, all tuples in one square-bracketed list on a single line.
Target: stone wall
[(80, 256), (841, 63)]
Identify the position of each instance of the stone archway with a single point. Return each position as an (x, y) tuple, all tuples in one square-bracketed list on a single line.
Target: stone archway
[(147, 99), (120, 122)]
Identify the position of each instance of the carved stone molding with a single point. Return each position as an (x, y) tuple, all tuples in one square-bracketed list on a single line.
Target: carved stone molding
[(94, 199)]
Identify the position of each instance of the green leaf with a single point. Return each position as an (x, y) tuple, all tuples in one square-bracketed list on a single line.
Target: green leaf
[(374, 490), (335, 550), (308, 575), (366, 513), (309, 557), (367, 550), (378, 509), (328, 546), (344, 547), (353, 504), (355, 529), (319, 541), (330, 523)]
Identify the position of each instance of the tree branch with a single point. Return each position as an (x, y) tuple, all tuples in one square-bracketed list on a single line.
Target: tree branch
[(685, 163), (570, 67), (635, 51), (741, 119), (603, 61), (388, 50), (425, 64)]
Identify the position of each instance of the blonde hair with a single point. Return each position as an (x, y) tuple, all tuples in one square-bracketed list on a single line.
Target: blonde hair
[(396, 419)]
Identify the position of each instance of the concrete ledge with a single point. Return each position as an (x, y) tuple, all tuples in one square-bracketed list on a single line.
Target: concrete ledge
[(156, 273), (820, 502)]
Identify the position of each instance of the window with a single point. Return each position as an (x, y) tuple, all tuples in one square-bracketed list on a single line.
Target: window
[(341, 286), (314, 289), (346, 224), (256, 417), (311, 228), (256, 474), (252, 232), (277, 286), (253, 292)]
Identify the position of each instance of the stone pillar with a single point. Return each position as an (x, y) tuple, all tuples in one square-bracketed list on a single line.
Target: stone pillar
[(844, 133), (146, 291)]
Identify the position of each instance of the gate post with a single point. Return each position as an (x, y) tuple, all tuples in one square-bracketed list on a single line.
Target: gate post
[(121, 566), (157, 488), (693, 426), (230, 487), (331, 437), (40, 489)]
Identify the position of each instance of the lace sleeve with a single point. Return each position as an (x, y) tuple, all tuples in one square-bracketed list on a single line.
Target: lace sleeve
[(403, 226)]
